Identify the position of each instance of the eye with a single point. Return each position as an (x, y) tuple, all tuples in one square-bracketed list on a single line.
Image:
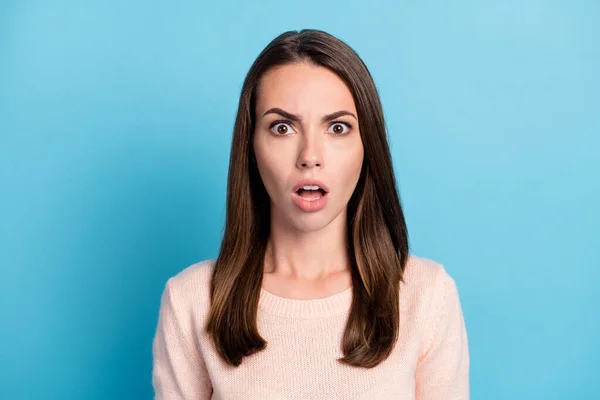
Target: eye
[(338, 128), (281, 128)]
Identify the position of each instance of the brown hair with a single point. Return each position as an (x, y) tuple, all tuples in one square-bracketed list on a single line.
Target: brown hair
[(377, 236)]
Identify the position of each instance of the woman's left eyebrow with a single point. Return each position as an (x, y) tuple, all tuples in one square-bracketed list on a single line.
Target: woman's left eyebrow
[(293, 117), (337, 114)]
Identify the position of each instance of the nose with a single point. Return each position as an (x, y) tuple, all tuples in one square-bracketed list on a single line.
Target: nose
[(311, 152)]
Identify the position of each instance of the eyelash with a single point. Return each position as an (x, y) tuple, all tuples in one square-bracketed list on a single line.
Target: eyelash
[(281, 121)]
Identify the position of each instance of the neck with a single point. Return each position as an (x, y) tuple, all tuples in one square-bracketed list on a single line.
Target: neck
[(307, 255)]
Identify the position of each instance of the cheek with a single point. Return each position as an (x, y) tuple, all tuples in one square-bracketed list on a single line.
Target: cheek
[(269, 164), (265, 154), (352, 160), (350, 171)]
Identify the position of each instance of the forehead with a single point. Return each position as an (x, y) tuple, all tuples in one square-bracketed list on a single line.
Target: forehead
[(303, 88)]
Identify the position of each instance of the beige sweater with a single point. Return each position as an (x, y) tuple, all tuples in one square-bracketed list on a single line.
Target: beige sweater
[(430, 360)]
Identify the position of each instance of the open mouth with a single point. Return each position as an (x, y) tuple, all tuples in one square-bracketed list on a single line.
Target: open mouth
[(311, 195)]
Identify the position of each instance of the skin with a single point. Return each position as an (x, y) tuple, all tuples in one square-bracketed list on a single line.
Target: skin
[(306, 254)]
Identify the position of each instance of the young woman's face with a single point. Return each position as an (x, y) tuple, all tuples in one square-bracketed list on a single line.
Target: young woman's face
[(297, 136)]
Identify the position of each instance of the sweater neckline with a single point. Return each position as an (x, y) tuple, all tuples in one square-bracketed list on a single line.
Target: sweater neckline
[(334, 304)]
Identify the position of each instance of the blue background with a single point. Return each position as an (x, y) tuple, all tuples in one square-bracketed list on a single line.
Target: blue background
[(115, 127)]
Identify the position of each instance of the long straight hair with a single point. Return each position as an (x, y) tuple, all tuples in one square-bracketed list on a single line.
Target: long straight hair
[(377, 241)]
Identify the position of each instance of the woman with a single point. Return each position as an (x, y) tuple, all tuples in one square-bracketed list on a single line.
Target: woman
[(313, 294)]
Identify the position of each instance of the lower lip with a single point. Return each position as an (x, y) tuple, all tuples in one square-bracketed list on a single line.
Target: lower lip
[(308, 205)]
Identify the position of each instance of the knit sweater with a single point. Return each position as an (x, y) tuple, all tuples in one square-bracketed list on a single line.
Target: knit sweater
[(430, 360)]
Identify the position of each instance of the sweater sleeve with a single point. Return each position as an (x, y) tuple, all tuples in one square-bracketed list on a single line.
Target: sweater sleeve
[(178, 369), (442, 371)]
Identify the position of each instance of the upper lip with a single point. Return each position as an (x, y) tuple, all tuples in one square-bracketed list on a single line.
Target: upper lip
[(310, 182)]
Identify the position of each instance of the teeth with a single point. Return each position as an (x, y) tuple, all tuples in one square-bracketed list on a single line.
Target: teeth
[(307, 187)]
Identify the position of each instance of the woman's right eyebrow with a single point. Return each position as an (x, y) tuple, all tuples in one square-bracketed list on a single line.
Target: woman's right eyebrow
[(285, 114), (296, 118)]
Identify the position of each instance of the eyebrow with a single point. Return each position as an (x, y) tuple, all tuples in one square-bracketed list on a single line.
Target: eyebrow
[(294, 117)]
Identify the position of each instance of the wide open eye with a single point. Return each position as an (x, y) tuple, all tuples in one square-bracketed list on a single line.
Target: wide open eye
[(339, 128), (281, 128)]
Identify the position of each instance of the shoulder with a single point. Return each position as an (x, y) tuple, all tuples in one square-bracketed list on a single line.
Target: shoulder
[(425, 279), (424, 272), (190, 287), (431, 299), (194, 276)]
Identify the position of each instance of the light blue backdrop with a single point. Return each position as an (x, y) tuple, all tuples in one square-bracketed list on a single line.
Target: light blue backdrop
[(115, 127)]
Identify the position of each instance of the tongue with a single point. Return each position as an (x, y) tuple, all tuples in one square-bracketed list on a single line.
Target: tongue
[(310, 194)]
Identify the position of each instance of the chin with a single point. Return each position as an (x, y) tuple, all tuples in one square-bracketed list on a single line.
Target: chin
[(310, 222)]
